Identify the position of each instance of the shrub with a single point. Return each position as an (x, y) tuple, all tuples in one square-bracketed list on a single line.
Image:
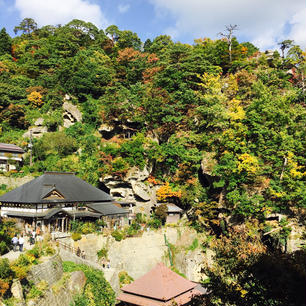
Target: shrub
[(38, 290), (97, 290), (76, 236), (154, 223), (102, 253), (161, 213), (118, 235), (194, 245), (35, 252), (5, 270), (124, 278)]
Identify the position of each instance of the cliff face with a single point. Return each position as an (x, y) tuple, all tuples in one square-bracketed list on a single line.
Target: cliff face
[(138, 255)]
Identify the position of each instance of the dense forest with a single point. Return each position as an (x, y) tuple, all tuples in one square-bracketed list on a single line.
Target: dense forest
[(223, 130)]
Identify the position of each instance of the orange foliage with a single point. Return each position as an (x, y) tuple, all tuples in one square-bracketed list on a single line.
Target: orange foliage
[(129, 54), (152, 58), (149, 73), (153, 180), (4, 286), (165, 192), (35, 98), (244, 50)]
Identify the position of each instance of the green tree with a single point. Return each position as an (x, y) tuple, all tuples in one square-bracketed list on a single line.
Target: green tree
[(27, 25), (5, 42)]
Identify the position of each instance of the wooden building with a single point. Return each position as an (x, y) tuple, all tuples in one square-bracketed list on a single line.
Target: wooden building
[(174, 213), (159, 287), (53, 199), (10, 154)]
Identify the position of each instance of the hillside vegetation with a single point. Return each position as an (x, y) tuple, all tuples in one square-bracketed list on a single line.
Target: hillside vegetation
[(225, 138)]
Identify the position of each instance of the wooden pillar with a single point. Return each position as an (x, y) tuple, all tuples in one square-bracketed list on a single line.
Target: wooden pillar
[(63, 219), (49, 227)]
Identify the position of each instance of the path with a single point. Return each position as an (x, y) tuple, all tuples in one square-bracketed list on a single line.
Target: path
[(14, 255)]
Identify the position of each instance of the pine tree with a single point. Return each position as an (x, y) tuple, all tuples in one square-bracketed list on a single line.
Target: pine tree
[(5, 42)]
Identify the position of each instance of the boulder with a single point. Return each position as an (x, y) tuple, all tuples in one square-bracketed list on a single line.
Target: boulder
[(119, 192), (77, 282), (138, 175), (71, 114), (141, 191), (36, 131), (39, 122), (16, 290), (208, 162)]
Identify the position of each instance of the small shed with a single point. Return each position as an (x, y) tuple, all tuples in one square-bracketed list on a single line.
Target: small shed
[(159, 287), (174, 213)]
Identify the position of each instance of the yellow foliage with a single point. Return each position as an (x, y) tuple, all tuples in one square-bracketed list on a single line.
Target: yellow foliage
[(294, 167), (231, 86), (248, 163), (35, 98), (236, 112), (165, 192), (274, 194), (211, 83)]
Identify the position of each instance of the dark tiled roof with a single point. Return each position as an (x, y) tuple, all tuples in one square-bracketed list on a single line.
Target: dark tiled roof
[(47, 214), (70, 187), (83, 213), (10, 148), (107, 209)]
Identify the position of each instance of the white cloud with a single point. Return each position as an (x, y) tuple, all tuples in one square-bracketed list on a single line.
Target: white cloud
[(53, 12), (298, 28), (261, 21), (123, 8)]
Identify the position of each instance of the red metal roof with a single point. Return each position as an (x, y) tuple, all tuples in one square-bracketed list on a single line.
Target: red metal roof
[(144, 301), (160, 283)]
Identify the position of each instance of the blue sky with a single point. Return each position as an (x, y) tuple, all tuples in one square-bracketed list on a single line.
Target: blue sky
[(263, 22)]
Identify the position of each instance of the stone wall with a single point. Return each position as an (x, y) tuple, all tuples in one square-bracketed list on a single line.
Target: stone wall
[(14, 182), (50, 271)]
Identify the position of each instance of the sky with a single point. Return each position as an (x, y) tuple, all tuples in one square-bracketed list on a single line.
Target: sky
[(262, 22)]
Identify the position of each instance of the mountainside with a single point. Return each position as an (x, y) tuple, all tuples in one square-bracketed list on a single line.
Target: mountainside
[(220, 133)]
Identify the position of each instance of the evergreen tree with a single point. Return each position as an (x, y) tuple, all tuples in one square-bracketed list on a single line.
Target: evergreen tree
[(5, 42)]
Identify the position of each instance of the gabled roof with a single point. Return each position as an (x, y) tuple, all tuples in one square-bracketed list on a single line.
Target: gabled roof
[(172, 208), (70, 188), (107, 209), (182, 299), (7, 147), (160, 283)]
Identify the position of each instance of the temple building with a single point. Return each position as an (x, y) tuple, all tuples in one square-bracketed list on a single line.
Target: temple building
[(53, 199), (10, 155), (159, 287)]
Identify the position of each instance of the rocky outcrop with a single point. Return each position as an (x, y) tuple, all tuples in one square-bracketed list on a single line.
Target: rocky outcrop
[(71, 114), (50, 271), (77, 282), (118, 128), (140, 191), (133, 188), (37, 130)]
